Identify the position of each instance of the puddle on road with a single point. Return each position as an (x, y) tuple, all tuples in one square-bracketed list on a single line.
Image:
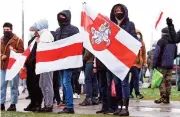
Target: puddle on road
[(146, 109)]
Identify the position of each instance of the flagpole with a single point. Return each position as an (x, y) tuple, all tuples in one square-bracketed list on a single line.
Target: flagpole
[(23, 20)]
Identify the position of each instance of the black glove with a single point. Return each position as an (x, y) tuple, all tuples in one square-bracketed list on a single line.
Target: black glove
[(169, 21)]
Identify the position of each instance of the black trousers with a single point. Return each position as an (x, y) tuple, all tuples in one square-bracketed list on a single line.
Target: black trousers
[(56, 86), (33, 87), (103, 89), (75, 82)]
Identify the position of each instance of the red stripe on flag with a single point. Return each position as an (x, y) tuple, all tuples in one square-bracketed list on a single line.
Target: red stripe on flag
[(11, 62), (60, 53), (27, 52), (122, 53), (159, 19)]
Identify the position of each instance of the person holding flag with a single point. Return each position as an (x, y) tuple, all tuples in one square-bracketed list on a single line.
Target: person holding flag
[(9, 42), (34, 90), (66, 30), (46, 78), (119, 15)]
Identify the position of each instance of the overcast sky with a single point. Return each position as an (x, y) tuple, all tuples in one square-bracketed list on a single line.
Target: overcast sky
[(143, 13)]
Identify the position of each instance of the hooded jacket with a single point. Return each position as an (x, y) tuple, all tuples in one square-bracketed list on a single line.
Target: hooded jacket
[(165, 51), (127, 25), (141, 57), (65, 30)]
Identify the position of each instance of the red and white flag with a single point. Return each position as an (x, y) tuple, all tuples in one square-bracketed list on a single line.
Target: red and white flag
[(59, 55), (112, 45), (16, 62), (160, 22)]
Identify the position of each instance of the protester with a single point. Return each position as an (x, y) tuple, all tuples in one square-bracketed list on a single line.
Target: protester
[(9, 42), (165, 53), (136, 68), (34, 90), (101, 71), (65, 30), (119, 15), (46, 79), (90, 81)]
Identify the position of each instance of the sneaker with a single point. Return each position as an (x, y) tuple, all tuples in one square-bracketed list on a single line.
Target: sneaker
[(160, 100), (131, 96), (37, 108), (61, 103), (67, 111), (124, 112), (76, 96), (47, 109), (140, 96), (109, 111), (86, 102), (100, 112), (2, 107), (166, 100), (117, 111), (28, 108), (12, 107), (95, 101)]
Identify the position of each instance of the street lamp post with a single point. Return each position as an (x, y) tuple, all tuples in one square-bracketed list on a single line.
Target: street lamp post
[(23, 20)]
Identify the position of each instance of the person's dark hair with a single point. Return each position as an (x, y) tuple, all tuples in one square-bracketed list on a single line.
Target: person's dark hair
[(7, 24)]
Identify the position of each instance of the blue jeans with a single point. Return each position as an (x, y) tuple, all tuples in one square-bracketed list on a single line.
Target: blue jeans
[(90, 81), (140, 75), (134, 80), (113, 101), (68, 91), (14, 88), (23, 83), (126, 87)]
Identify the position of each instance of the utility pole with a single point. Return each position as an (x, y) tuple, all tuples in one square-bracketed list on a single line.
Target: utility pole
[(23, 20)]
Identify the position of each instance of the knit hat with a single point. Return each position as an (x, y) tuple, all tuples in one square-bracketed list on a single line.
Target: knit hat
[(40, 25)]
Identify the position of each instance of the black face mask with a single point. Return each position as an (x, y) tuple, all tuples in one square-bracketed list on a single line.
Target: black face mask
[(8, 34), (62, 21), (119, 16)]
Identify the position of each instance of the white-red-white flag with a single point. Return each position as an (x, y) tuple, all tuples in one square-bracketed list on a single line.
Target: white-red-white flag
[(16, 62), (160, 21), (59, 55), (112, 45)]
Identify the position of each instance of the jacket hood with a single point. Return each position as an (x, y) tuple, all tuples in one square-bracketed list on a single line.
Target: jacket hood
[(112, 16), (40, 25), (165, 35), (67, 14)]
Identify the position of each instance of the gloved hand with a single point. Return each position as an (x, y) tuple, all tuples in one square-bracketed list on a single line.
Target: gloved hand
[(169, 21)]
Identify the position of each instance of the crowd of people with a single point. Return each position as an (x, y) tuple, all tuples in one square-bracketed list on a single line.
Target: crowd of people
[(98, 79)]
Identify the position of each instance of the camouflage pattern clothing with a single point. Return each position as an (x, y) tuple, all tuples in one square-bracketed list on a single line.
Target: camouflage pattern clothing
[(165, 87)]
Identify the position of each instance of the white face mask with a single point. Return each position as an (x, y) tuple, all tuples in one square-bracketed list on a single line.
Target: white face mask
[(139, 36), (31, 34)]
